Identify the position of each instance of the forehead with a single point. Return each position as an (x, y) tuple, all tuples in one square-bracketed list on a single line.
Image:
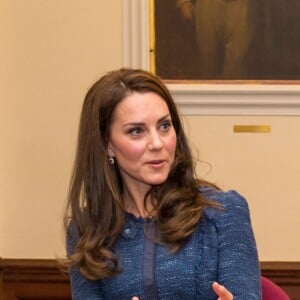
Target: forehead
[(141, 106)]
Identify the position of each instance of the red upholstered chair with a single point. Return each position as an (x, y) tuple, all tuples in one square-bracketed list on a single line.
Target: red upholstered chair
[(271, 291)]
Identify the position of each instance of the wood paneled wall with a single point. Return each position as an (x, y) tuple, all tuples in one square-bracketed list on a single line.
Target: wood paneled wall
[(284, 274), (35, 279)]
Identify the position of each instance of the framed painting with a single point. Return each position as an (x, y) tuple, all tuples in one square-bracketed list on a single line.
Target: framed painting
[(242, 57), (226, 40)]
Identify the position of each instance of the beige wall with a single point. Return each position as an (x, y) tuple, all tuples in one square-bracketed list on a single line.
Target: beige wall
[(264, 167), (51, 51)]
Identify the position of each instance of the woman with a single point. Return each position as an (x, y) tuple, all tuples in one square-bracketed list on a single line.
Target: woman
[(139, 223)]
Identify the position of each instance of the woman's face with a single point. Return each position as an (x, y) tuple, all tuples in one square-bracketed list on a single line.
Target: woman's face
[(142, 140)]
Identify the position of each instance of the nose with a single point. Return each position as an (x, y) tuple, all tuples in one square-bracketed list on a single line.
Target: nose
[(155, 142)]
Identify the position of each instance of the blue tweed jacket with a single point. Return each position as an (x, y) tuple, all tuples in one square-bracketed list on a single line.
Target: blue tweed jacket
[(222, 249)]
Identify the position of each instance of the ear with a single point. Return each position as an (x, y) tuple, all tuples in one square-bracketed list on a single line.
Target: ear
[(110, 150)]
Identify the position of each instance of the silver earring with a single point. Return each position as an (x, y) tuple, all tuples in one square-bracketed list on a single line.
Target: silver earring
[(111, 160)]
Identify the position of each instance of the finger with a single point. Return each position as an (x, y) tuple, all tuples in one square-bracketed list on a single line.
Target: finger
[(221, 291)]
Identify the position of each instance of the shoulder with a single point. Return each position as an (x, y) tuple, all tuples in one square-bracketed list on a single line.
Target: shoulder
[(224, 198), (230, 224), (232, 203)]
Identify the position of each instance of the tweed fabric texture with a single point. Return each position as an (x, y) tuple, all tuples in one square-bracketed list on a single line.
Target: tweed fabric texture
[(221, 249)]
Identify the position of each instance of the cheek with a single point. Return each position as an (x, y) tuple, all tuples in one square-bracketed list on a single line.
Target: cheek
[(130, 151), (171, 144)]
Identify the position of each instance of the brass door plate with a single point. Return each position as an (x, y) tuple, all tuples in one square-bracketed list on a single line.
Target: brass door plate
[(252, 128)]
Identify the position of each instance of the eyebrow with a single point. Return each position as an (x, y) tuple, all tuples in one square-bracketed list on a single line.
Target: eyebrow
[(142, 123)]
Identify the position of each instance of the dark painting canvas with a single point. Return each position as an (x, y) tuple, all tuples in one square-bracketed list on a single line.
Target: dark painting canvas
[(227, 39)]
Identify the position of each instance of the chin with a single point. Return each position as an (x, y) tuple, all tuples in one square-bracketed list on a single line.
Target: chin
[(157, 181)]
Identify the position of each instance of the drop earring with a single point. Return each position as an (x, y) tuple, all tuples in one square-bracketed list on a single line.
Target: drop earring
[(111, 160)]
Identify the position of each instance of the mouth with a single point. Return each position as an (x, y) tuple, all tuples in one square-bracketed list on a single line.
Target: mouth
[(156, 163)]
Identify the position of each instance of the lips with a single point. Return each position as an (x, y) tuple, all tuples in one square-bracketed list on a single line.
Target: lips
[(156, 163)]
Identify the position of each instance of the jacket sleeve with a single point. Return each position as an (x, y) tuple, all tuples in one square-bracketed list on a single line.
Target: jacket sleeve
[(238, 266), (81, 288)]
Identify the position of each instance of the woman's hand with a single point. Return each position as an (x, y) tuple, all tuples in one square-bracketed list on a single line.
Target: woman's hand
[(218, 289), (221, 291)]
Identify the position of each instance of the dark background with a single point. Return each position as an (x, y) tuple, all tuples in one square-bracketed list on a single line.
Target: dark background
[(273, 55)]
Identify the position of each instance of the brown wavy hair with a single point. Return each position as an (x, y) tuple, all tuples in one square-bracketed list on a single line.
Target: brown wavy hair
[(95, 205)]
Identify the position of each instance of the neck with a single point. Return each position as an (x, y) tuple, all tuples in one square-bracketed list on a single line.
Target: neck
[(136, 204)]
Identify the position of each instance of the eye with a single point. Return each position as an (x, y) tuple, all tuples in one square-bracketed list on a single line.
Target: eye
[(135, 131), (165, 125)]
